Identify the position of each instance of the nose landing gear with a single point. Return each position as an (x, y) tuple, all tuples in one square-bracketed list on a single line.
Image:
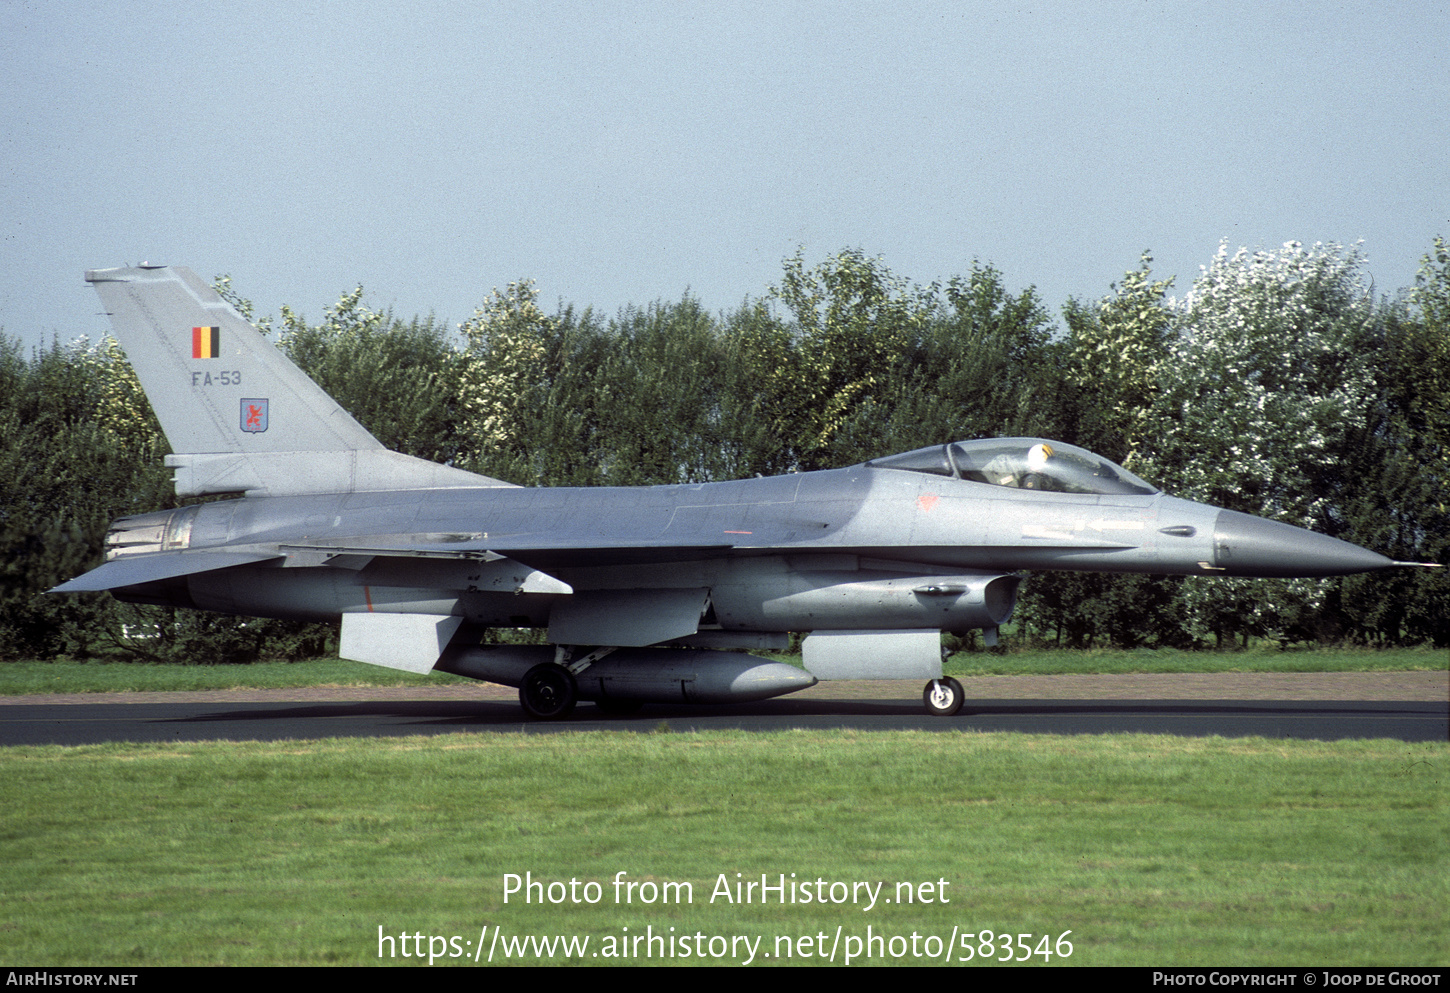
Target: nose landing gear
[(943, 697)]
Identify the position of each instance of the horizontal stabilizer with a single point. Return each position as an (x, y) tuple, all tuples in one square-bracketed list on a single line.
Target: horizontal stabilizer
[(133, 570)]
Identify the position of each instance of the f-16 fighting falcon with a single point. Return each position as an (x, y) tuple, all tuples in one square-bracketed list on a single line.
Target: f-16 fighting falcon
[(652, 593)]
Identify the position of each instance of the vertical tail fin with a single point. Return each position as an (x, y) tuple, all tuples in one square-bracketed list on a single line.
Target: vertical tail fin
[(238, 414)]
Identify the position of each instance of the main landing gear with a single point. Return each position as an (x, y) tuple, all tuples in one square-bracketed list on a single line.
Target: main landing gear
[(943, 697), (548, 691)]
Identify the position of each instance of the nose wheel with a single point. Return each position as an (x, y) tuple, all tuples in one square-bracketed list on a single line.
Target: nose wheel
[(548, 691), (943, 697)]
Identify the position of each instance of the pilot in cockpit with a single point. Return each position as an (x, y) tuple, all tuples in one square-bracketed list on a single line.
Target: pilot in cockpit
[(1009, 468)]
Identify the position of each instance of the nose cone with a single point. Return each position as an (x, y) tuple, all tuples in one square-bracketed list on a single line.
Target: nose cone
[(1245, 545)]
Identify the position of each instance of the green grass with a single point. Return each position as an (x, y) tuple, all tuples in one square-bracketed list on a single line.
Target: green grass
[(1150, 850), (124, 676), (131, 677), (1264, 659)]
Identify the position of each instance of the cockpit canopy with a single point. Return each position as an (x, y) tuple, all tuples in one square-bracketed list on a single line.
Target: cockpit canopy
[(1023, 463)]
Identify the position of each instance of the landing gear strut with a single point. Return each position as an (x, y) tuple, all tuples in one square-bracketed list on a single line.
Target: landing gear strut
[(943, 697), (548, 691)]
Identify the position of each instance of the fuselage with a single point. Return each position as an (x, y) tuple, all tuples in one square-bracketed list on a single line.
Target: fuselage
[(766, 549)]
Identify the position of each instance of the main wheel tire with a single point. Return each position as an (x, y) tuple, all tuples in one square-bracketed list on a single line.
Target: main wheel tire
[(548, 692), (943, 697)]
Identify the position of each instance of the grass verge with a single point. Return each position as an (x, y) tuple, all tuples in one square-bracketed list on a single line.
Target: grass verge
[(1150, 850), (25, 677), (1066, 661)]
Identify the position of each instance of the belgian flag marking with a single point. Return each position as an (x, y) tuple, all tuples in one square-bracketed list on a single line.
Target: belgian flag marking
[(206, 343)]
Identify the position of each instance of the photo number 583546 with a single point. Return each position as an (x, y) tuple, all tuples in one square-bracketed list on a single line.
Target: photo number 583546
[(984, 944)]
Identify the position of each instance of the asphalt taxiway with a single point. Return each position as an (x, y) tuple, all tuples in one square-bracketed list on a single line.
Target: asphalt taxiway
[(1403, 706)]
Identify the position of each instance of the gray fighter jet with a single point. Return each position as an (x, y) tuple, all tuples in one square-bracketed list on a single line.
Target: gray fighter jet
[(647, 593)]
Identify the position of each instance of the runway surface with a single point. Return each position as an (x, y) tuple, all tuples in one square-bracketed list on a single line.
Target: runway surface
[(271, 715)]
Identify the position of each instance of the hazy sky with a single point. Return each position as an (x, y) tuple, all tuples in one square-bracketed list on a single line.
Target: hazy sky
[(623, 152)]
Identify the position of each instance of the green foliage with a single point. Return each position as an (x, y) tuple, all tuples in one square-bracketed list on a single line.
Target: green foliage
[(399, 380), (1265, 391), (1104, 389), (529, 391), (143, 633), (1117, 348), (663, 406), (68, 465), (872, 364), (1086, 610), (1402, 464), (502, 377), (1268, 378), (223, 286), (983, 366), (854, 325), (761, 357)]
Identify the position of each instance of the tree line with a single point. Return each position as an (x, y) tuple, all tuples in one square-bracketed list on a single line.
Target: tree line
[(1277, 385)]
